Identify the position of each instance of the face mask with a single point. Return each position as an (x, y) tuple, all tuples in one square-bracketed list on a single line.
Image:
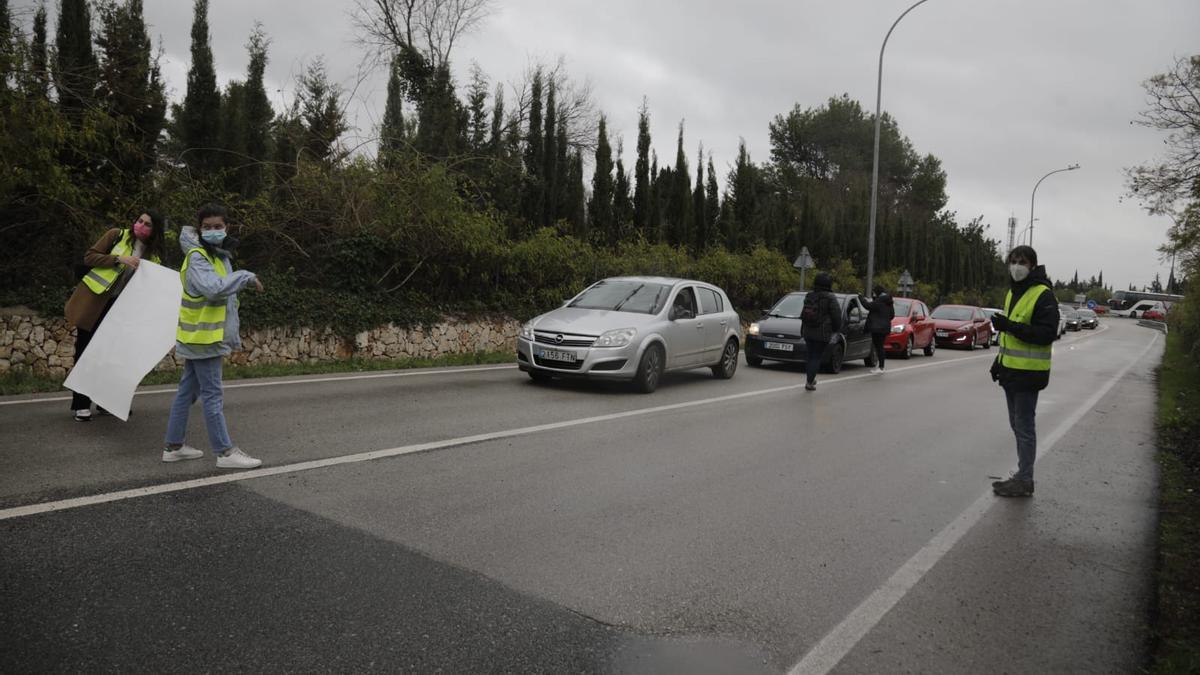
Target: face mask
[(1018, 272), (142, 231), (214, 237)]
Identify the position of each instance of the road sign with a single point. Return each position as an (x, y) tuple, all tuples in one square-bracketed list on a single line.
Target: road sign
[(1080, 299), (1091, 304)]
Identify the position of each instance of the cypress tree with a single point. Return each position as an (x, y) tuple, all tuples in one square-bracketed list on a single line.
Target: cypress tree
[(534, 155), (679, 198), (39, 62), (622, 202), (258, 114), (550, 174), (601, 210), (641, 176), (75, 71), (233, 133), (699, 216), (497, 137), (391, 130), (575, 210), (477, 109), (654, 233), (712, 207), (199, 123), (320, 113)]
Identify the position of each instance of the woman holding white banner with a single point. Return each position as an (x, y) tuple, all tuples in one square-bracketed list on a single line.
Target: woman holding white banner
[(111, 261), (207, 333)]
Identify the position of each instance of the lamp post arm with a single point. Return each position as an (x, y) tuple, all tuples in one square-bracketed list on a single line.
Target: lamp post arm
[(1034, 195), (875, 160)]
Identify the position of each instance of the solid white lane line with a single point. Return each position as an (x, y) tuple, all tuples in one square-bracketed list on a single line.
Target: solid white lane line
[(60, 505), (236, 384), (836, 644)]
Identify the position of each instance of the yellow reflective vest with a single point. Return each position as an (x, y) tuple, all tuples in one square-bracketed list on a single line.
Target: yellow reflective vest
[(1017, 354), (101, 279), (201, 321)]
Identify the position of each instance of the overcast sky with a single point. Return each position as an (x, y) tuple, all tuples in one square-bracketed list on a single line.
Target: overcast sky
[(1002, 91)]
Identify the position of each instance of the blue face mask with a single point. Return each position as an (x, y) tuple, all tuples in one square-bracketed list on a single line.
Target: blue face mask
[(214, 237)]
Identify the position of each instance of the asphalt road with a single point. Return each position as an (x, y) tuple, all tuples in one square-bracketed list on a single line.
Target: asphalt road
[(473, 521)]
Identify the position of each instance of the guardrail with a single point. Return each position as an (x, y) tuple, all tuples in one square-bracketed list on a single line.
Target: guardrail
[(1156, 325)]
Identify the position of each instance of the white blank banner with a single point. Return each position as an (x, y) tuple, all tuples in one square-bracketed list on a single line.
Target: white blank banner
[(134, 337)]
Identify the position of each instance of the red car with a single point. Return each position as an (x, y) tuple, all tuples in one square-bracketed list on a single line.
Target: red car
[(911, 329), (961, 326), (1154, 315)]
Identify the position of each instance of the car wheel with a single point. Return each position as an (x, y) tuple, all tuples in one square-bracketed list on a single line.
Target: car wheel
[(728, 365), (908, 349), (929, 348), (650, 369), (754, 361), (836, 359), (538, 376)]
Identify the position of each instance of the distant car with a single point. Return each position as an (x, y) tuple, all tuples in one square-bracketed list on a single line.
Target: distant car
[(1088, 319), (1071, 316), (1064, 311), (1140, 308), (987, 313), (961, 326), (911, 329), (634, 328), (777, 335), (1154, 315)]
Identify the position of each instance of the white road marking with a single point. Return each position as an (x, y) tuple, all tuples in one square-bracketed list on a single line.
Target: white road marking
[(836, 644), (236, 384), (60, 505)]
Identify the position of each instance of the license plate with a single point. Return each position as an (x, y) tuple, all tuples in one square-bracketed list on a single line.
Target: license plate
[(779, 346), (556, 355), (943, 333)]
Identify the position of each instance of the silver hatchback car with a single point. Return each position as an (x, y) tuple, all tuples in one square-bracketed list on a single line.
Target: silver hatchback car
[(634, 328)]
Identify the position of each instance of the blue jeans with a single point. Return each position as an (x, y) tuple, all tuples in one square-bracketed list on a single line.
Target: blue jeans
[(816, 349), (201, 378), (1022, 408)]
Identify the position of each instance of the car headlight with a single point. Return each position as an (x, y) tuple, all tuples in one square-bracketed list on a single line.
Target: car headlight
[(897, 329), (615, 338), (754, 329), (527, 330)]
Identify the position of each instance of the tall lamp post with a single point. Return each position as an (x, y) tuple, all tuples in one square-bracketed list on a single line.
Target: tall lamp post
[(875, 161), (1070, 167)]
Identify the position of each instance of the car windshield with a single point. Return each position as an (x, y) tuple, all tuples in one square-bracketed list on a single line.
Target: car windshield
[(789, 307), (624, 296), (1070, 314), (952, 313), (1087, 314), (987, 313), (901, 307)]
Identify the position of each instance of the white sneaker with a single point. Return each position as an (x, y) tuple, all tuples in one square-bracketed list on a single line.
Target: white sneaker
[(83, 415), (185, 452), (234, 458)]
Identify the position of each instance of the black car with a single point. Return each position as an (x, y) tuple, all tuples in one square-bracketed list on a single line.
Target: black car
[(777, 337), (1087, 319), (1074, 321)]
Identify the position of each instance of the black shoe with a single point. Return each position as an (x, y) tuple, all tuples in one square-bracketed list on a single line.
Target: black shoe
[(1013, 487), (810, 386)]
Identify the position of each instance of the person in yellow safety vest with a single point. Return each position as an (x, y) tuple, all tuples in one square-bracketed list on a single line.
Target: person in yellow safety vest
[(109, 263), (1028, 327), (208, 332)]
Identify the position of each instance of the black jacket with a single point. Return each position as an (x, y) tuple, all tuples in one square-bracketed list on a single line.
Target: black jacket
[(829, 315), (881, 311), (1042, 330)]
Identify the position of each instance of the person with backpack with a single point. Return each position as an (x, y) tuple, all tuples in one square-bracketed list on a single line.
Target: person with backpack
[(881, 311), (821, 319)]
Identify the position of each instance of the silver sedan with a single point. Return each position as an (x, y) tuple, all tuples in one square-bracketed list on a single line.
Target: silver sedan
[(634, 328)]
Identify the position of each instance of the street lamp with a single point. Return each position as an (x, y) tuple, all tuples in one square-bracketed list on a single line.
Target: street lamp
[(1070, 167), (875, 162), (803, 262)]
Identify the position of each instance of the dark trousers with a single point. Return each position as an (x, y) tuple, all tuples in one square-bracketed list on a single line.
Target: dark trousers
[(877, 345), (82, 338), (1022, 408), (816, 350)]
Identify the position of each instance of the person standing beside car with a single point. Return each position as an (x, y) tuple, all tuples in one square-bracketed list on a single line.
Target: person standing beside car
[(821, 318), (1028, 328), (880, 313)]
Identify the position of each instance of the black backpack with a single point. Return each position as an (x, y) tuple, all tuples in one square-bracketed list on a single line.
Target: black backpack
[(811, 311)]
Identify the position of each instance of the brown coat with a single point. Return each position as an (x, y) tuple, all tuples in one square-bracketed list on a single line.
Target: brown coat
[(84, 308)]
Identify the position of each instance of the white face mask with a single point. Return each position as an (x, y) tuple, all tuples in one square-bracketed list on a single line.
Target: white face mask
[(1018, 272)]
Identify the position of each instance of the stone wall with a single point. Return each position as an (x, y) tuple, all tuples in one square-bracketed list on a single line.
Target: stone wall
[(47, 345)]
